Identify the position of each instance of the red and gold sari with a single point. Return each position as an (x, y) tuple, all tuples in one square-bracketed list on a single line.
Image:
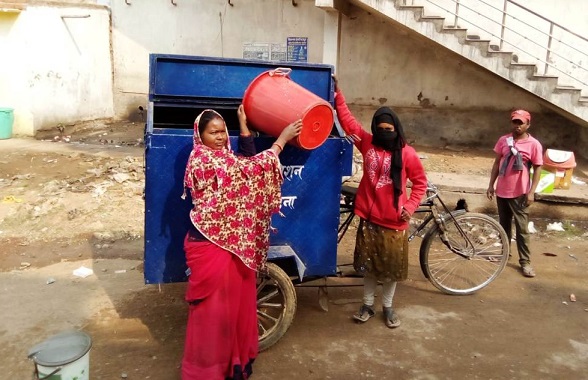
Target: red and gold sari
[(234, 198)]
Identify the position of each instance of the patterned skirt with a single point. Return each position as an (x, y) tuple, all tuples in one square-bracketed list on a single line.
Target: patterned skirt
[(381, 252)]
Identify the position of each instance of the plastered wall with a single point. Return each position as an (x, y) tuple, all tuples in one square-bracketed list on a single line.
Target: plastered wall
[(55, 66), (441, 98), (81, 68), (204, 28)]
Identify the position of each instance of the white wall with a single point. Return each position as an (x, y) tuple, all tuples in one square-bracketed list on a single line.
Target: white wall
[(442, 97), (200, 27), (56, 66)]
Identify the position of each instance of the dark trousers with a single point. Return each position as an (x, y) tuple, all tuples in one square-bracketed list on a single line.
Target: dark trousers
[(509, 208)]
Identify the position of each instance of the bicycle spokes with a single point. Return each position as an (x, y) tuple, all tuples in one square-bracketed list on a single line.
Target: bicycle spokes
[(468, 255)]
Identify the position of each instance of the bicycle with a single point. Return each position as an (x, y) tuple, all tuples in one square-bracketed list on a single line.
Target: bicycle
[(461, 252)]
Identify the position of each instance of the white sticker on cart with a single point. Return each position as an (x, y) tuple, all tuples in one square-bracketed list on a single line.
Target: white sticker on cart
[(289, 201), (293, 170)]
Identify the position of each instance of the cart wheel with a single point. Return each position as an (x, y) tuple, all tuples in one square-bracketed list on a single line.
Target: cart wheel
[(276, 305)]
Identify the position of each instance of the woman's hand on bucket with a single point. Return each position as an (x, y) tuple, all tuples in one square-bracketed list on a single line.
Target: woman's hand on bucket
[(288, 133), (291, 131), (336, 82), (244, 130)]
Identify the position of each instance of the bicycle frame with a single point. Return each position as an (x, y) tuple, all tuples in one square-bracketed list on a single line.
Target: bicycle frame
[(427, 206)]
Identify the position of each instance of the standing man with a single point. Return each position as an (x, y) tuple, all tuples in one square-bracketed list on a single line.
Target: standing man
[(516, 152)]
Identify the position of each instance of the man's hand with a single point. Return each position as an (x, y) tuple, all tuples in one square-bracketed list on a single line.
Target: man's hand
[(530, 199), (490, 192)]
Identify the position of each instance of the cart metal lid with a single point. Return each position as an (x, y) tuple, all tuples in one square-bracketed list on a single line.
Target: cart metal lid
[(212, 81), (61, 349)]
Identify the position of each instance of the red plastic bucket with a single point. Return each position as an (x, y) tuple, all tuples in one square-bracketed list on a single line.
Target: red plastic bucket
[(273, 100)]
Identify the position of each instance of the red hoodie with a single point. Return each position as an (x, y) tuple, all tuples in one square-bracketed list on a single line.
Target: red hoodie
[(375, 200)]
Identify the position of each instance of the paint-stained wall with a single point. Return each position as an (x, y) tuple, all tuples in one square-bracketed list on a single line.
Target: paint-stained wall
[(56, 66), (64, 70), (200, 27), (442, 98)]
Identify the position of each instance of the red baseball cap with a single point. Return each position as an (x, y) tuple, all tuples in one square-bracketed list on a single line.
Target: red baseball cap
[(521, 115)]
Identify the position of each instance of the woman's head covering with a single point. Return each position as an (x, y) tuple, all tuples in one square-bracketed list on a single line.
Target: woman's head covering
[(201, 123), (391, 141), (233, 197)]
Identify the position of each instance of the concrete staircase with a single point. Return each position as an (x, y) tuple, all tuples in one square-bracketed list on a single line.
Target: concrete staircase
[(566, 100)]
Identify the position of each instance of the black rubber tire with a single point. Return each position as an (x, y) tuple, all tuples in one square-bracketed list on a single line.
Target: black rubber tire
[(456, 275), (276, 305)]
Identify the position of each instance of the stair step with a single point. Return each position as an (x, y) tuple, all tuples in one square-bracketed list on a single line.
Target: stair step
[(480, 44), (562, 89), (502, 62), (548, 80), (469, 40), (499, 52), (505, 56), (539, 77), (411, 7), (459, 33), (418, 10), (436, 20), (450, 29), (522, 64), (529, 68)]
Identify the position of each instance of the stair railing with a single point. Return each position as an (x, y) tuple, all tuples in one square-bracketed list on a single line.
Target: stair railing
[(511, 26)]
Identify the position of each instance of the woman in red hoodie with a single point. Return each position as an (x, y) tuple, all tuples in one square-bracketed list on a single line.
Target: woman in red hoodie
[(381, 247)]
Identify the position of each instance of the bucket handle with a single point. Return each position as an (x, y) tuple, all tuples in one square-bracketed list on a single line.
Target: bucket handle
[(283, 71)]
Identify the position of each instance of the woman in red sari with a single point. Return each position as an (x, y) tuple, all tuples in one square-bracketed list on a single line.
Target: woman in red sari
[(234, 198)]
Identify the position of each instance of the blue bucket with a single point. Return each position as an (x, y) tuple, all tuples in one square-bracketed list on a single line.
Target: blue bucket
[(6, 120)]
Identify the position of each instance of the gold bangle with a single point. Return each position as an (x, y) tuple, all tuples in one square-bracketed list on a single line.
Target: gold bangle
[(278, 145)]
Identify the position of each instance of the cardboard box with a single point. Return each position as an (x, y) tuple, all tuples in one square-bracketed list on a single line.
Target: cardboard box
[(546, 183), (563, 179), (561, 164)]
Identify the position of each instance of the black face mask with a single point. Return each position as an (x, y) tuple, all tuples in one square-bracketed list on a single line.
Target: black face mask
[(385, 137)]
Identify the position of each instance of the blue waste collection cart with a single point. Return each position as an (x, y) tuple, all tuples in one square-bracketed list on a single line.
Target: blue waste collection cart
[(305, 244)]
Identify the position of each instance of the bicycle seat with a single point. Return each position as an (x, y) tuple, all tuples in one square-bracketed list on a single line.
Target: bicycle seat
[(348, 191)]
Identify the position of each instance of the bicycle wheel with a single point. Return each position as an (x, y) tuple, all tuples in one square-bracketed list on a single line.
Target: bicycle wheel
[(276, 305), (478, 263)]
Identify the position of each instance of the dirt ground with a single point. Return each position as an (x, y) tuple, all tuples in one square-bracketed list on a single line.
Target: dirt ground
[(64, 205)]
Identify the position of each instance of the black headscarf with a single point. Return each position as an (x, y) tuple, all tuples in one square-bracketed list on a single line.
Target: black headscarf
[(392, 142)]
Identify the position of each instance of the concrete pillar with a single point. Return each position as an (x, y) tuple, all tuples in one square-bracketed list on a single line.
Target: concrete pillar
[(332, 38)]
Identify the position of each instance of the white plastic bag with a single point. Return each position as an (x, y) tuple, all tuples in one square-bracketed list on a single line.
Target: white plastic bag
[(555, 226)]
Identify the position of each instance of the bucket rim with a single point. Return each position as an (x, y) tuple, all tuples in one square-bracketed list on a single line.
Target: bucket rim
[(78, 338), (250, 86), (6, 109)]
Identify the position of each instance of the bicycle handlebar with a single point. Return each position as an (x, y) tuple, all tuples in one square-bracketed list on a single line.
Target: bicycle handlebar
[(432, 192)]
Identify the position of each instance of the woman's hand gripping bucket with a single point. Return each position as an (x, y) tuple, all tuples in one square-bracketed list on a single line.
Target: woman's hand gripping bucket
[(273, 100)]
